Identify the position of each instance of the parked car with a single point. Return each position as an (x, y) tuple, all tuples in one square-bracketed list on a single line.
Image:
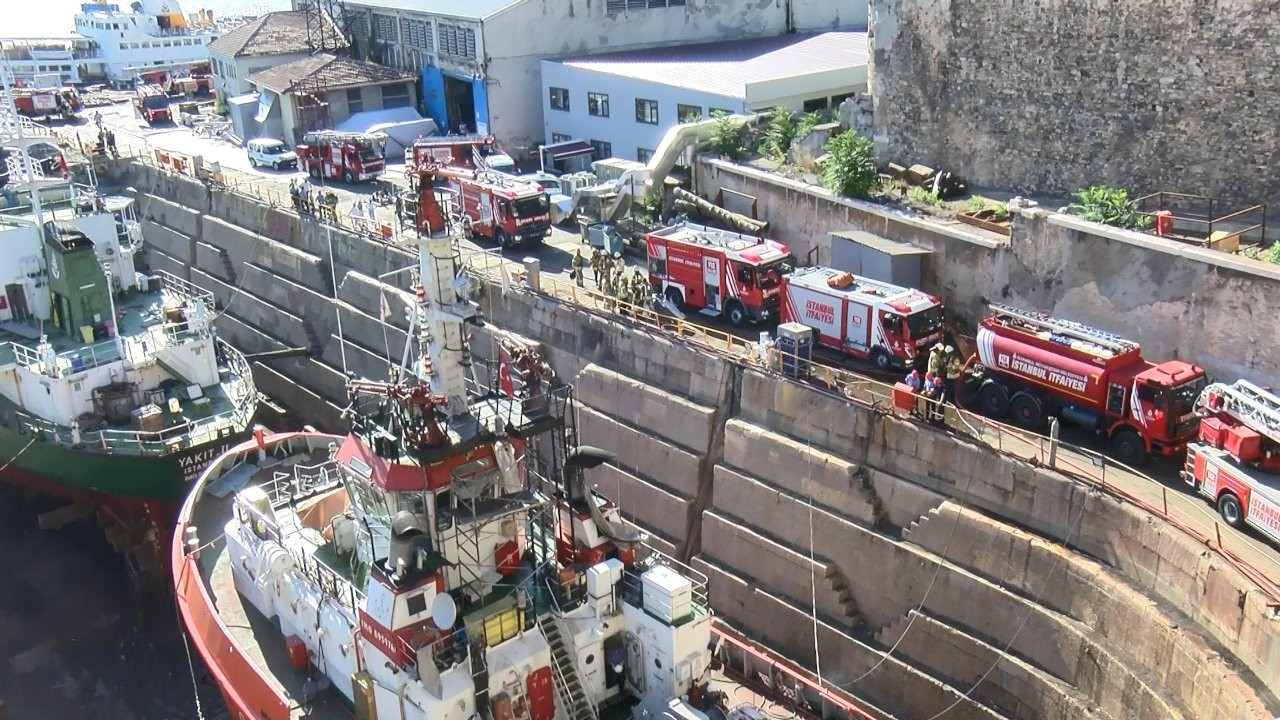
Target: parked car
[(270, 152)]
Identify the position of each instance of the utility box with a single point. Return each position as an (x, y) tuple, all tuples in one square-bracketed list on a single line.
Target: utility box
[(148, 418), (668, 595), (795, 343), (878, 258)]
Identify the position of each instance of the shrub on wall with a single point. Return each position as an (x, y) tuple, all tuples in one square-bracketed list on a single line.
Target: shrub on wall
[(779, 133), (1109, 206), (727, 138), (850, 166)]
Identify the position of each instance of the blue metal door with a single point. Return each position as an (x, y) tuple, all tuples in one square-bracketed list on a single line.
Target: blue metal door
[(433, 96), (480, 98)]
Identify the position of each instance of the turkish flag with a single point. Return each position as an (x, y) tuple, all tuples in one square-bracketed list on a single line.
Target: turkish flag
[(504, 376), (62, 163)]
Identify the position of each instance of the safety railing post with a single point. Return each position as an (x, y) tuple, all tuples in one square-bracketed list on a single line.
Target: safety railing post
[(1053, 442)]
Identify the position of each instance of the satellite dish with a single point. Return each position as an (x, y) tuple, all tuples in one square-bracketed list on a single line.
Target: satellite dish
[(444, 612)]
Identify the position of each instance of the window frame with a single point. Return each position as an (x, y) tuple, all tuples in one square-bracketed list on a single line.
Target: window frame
[(642, 116), (551, 98), (643, 154), (682, 110), (601, 104), (601, 149)]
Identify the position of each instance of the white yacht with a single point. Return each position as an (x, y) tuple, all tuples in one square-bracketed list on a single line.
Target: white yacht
[(113, 42)]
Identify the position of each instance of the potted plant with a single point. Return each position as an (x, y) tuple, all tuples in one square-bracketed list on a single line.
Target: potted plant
[(988, 215)]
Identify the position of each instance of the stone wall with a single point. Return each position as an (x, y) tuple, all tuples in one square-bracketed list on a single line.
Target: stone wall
[(1053, 96), (1178, 301)]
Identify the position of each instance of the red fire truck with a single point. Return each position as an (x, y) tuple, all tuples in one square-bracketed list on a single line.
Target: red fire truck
[(349, 157), (457, 151), (1236, 462), (889, 325), (59, 103), (150, 102), (493, 205), (718, 272), (1029, 365)]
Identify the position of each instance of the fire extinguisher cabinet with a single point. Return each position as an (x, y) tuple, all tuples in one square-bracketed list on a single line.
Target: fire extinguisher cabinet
[(795, 343), (1164, 223)]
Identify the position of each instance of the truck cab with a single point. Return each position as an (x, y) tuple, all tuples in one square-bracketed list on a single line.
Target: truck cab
[(1163, 401)]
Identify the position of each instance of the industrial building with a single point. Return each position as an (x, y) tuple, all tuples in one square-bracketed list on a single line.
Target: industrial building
[(623, 102), (480, 61), (269, 41)]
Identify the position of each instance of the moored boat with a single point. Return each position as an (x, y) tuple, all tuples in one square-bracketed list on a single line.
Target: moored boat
[(445, 559)]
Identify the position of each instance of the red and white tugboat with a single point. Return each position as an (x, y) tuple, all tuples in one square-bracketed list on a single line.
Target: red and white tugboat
[(444, 560)]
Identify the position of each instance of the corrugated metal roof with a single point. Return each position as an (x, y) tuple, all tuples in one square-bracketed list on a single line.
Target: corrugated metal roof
[(726, 68), (465, 9)]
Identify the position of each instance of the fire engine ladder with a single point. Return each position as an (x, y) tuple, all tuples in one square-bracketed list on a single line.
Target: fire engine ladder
[(1069, 328), (478, 160), (1254, 407)]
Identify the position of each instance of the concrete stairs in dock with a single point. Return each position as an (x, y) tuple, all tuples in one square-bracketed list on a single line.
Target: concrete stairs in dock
[(568, 685)]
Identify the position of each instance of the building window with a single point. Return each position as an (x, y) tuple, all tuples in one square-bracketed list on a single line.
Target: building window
[(815, 105), (643, 154), (384, 28), (688, 113), (720, 112), (395, 96), (601, 149), (457, 41), (617, 6), (560, 99), (355, 101), (559, 138), (646, 111), (838, 100), (417, 33), (598, 104)]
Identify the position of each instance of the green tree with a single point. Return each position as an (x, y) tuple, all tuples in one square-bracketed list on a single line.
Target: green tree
[(1109, 206), (850, 167)]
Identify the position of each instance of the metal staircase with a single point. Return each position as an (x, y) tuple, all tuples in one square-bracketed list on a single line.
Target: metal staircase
[(1067, 328), (1250, 405), (573, 696)]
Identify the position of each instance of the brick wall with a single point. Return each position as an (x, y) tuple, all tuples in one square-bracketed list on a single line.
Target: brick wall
[(1053, 95)]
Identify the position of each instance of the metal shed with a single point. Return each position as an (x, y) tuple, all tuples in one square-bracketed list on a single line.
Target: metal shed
[(878, 258)]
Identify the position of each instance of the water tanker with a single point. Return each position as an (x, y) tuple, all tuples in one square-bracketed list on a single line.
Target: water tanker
[(1029, 365)]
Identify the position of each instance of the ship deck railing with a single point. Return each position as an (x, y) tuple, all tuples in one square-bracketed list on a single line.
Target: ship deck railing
[(285, 488), (240, 392)]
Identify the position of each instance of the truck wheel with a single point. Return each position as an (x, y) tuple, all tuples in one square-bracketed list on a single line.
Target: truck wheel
[(1025, 411), (504, 240), (315, 173), (348, 178), (1230, 510), (736, 314), (993, 399), (881, 359), (675, 297), (1128, 448)]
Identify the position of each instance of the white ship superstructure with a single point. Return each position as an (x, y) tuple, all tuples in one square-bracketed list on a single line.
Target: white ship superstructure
[(113, 42)]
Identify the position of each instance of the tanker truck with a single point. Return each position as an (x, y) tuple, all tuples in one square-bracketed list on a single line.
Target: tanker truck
[(1029, 366)]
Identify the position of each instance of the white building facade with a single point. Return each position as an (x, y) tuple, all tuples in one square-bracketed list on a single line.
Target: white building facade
[(623, 103), (480, 61)]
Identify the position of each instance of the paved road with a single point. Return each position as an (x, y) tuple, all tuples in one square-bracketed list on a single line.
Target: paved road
[(1160, 486)]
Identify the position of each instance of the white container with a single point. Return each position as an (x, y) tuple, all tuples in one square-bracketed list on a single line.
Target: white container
[(668, 595)]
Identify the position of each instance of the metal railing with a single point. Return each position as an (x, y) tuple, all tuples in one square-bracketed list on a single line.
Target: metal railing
[(133, 349), (1207, 215), (1095, 469), (241, 392), (303, 481)]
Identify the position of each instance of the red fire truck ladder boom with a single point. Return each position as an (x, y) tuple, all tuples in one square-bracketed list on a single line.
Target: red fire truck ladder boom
[(1250, 405), (1068, 328)]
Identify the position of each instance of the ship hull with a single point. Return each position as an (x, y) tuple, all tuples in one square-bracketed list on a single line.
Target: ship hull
[(54, 469)]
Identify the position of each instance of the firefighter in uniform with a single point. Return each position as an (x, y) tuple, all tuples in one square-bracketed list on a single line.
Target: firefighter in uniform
[(578, 265), (619, 263), (954, 367), (597, 265), (936, 360), (641, 287)]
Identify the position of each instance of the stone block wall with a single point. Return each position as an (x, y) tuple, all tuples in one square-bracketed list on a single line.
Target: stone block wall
[(1054, 96)]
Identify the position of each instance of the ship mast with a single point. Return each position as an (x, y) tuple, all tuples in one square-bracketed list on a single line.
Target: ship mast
[(442, 312)]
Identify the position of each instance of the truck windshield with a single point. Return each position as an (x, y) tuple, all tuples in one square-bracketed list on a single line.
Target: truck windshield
[(155, 102), (925, 322), (1184, 396), (771, 275), (368, 155), (533, 206)]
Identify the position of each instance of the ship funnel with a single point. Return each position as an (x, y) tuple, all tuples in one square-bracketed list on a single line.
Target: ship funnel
[(402, 561)]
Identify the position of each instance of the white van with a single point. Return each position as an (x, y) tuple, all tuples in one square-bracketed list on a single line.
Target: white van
[(270, 152)]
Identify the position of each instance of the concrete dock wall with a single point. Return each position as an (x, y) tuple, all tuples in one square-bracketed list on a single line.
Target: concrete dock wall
[(726, 465)]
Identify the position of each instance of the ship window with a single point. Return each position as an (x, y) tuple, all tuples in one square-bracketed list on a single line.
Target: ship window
[(359, 467), (589, 659), (417, 604)]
